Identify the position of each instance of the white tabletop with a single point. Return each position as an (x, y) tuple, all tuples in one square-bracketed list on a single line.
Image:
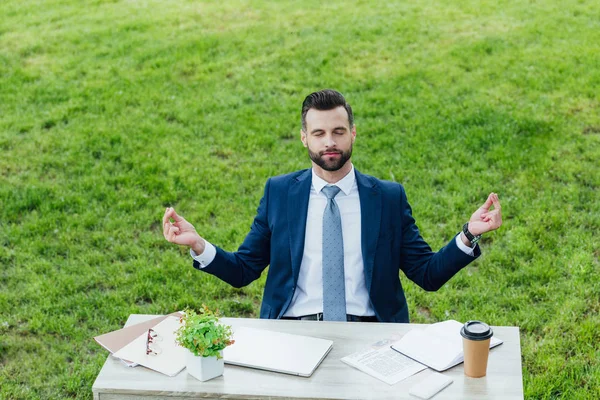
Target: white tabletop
[(332, 380)]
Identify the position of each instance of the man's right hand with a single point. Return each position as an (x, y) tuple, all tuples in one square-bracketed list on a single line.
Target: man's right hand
[(181, 231)]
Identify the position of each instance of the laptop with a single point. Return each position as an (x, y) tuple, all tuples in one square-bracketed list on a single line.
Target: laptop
[(276, 351)]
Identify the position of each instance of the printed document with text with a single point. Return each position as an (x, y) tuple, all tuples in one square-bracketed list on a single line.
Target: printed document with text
[(383, 363)]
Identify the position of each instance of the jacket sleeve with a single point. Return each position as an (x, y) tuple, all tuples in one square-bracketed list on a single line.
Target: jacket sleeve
[(421, 265), (242, 267)]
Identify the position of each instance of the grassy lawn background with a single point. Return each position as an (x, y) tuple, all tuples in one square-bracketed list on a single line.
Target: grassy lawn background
[(111, 111)]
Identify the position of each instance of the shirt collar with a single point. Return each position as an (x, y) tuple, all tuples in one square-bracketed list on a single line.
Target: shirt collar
[(345, 184)]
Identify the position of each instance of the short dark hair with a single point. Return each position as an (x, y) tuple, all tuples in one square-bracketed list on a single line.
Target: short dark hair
[(326, 99)]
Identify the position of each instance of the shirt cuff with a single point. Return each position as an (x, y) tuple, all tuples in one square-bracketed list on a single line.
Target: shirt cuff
[(459, 243), (207, 256)]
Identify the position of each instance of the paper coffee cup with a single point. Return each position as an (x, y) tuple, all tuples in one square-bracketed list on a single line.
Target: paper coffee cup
[(476, 347)]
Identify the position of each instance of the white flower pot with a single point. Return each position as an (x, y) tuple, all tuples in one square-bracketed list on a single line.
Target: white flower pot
[(204, 368)]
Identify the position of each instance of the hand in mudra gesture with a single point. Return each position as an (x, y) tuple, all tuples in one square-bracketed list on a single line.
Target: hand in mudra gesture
[(181, 232), (485, 220)]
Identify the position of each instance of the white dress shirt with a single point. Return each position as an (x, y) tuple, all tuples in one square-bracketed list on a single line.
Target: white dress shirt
[(308, 296)]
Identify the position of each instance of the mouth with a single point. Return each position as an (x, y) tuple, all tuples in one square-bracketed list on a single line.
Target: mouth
[(331, 153)]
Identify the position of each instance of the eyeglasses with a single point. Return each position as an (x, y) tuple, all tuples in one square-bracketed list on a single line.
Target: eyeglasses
[(152, 349)]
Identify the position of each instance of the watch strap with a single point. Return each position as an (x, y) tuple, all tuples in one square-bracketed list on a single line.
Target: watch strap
[(472, 238)]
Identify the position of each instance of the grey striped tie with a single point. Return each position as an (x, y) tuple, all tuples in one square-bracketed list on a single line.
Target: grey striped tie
[(334, 289)]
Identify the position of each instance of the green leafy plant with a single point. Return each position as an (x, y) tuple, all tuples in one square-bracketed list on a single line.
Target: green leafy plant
[(202, 334)]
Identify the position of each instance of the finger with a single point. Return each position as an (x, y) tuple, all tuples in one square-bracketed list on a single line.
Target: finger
[(166, 216), (176, 216), (489, 213), (173, 231), (166, 229), (498, 219), (495, 220), (166, 220), (488, 203), (496, 201)]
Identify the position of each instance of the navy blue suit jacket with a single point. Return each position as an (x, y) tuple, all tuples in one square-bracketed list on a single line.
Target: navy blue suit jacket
[(389, 236)]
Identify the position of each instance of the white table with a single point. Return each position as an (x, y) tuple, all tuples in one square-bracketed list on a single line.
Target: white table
[(332, 380)]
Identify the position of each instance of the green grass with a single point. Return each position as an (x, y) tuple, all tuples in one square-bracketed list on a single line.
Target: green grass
[(112, 110)]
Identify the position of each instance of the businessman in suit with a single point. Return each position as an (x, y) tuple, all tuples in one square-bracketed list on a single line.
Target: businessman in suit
[(335, 239)]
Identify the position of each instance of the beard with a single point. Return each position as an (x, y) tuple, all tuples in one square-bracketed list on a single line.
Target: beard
[(330, 165)]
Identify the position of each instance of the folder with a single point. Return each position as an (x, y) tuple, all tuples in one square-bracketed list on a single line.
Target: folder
[(116, 340), (171, 358)]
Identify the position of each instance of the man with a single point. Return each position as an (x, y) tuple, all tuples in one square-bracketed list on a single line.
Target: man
[(335, 239)]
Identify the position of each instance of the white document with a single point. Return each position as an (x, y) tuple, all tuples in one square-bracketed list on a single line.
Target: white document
[(171, 359), (438, 346), (383, 363)]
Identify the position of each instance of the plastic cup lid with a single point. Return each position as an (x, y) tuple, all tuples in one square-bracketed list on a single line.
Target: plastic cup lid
[(476, 330)]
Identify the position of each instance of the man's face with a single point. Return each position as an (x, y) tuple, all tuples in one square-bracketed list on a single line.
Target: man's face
[(328, 137)]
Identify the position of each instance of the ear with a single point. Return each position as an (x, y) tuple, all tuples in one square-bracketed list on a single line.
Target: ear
[(303, 137), (353, 133)]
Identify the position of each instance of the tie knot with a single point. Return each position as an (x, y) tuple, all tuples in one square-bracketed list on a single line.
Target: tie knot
[(331, 191)]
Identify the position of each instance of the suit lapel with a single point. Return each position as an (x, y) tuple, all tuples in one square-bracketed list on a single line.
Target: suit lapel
[(298, 195), (370, 210)]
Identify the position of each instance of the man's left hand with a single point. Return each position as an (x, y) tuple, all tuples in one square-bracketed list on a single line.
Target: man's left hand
[(483, 220)]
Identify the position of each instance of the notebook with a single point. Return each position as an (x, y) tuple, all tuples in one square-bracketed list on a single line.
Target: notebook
[(439, 346), (276, 351)]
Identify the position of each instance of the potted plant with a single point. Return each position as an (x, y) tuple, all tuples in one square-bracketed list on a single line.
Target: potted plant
[(204, 338)]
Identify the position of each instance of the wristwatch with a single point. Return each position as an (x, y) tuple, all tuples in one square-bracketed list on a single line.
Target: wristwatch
[(472, 238)]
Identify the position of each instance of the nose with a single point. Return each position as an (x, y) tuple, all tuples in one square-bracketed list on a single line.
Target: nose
[(329, 142)]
